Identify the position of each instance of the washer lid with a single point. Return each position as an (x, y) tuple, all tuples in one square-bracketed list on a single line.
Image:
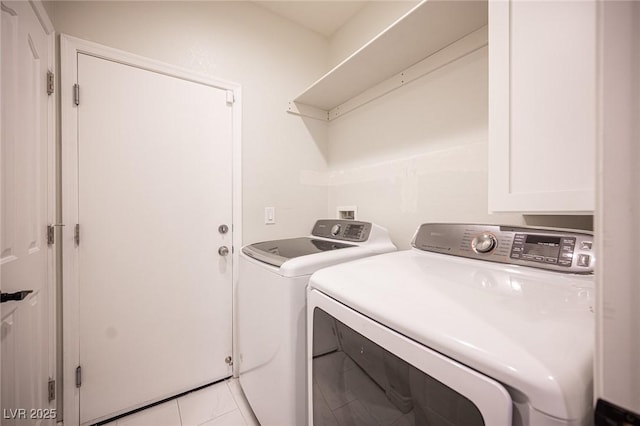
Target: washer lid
[(530, 329), (277, 252)]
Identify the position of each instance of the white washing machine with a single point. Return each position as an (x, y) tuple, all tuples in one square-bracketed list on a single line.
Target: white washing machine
[(271, 313), (475, 325)]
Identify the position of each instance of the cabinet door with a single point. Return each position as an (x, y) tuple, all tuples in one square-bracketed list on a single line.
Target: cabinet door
[(542, 106)]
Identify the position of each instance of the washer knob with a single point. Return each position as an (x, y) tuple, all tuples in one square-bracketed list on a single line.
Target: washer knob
[(335, 229), (484, 243)]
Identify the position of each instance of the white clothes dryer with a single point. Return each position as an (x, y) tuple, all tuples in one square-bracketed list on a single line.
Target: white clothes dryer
[(271, 314), (475, 325)]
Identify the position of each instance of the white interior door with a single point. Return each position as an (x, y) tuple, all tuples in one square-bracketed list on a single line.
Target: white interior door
[(28, 329), (154, 159)]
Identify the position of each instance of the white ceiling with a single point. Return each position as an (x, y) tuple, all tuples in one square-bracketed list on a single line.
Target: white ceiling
[(324, 17)]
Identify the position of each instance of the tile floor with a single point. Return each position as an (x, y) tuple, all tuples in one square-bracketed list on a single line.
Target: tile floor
[(222, 404), (344, 395)]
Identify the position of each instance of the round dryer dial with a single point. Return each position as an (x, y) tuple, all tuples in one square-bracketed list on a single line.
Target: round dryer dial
[(484, 243), (335, 229)]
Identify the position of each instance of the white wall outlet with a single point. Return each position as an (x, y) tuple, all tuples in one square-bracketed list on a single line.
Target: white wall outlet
[(269, 215), (347, 212)]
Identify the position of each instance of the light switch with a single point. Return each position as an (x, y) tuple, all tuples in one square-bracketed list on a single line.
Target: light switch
[(269, 215)]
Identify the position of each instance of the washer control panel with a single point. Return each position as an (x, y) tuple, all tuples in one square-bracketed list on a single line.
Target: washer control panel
[(551, 249), (554, 249), (346, 230)]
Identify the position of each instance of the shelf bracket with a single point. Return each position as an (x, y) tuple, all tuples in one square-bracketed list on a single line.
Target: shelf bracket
[(307, 111)]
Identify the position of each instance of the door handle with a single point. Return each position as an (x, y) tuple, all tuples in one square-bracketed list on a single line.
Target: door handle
[(223, 251), (17, 296)]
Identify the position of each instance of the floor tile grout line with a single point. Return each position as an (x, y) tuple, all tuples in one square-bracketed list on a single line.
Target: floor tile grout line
[(245, 408), (180, 409), (221, 415), (226, 382), (179, 412), (218, 386), (233, 395)]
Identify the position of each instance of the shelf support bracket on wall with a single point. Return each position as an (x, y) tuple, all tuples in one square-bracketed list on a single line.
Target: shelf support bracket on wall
[(307, 111)]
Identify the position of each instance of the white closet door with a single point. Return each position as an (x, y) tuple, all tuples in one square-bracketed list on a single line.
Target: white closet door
[(154, 185)]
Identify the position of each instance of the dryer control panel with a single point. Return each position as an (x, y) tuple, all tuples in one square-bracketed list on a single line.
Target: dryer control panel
[(547, 248), (346, 230)]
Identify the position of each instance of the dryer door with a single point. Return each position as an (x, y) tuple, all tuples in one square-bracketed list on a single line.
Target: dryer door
[(377, 376)]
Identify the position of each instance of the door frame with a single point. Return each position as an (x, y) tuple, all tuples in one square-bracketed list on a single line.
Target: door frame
[(70, 47), (52, 194)]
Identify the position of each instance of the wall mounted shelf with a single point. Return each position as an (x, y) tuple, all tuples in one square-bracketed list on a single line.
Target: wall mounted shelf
[(422, 32)]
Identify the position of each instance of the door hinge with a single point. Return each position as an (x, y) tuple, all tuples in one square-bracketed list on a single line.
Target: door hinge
[(51, 235), (51, 389), (76, 94), (76, 234), (230, 97), (50, 83), (78, 376)]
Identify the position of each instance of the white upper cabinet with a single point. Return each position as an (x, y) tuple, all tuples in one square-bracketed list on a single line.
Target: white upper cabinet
[(542, 106)]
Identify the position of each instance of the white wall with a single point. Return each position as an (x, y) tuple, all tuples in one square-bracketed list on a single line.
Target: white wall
[(271, 57), (372, 19), (617, 376), (419, 154)]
